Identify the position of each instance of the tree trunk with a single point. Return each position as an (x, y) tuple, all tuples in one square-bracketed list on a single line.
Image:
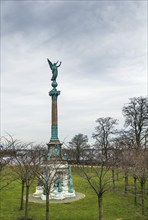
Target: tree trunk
[(126, 181), (39, 157), (100, 206), (142, 182), (22, 196), (113, 178), (47, 206), (117, 175), (135, 190), (78, 156), (27, 198), (105, 153)]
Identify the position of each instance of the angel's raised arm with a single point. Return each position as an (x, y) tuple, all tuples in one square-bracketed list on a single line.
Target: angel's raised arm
[(59, 64)]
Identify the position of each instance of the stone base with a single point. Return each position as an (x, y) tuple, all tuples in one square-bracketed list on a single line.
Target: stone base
[(38, 192), (59, 196), (60, 180), (53, 195), (55, 201)]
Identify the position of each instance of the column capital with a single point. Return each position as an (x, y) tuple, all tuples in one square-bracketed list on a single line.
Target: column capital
[(54, 93)]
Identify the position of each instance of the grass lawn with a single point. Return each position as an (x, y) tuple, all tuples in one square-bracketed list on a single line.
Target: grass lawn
[(116, 205)]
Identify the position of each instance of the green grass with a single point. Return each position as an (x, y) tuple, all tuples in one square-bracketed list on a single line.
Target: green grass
[(115, 204)]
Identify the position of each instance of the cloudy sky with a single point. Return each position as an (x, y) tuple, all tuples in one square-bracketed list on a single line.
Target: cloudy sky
[(103, 49)]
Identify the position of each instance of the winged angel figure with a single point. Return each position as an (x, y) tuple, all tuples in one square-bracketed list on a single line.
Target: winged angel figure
[(54, 69)]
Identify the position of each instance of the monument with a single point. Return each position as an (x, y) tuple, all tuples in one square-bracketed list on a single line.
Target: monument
[(56, 164)]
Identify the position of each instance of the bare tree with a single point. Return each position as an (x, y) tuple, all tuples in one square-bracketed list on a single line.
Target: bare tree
[(136, 119), (139, 170), (24, 166), (126, 164), (105, 131), (99, 178), (29, 167), (6, 155), (78, 144), (6, 177), (104, 134)]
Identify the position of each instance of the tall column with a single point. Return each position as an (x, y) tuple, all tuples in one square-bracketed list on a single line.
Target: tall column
[(54, 145), (54, 115)]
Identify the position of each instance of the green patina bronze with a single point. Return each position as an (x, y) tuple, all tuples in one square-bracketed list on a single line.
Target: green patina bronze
[(54, 69), (54, 93), (54, 133), (56, 150), (58, 184)]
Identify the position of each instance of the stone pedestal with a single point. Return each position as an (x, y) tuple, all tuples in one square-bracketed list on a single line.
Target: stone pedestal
[(38, 192), (61, 181)]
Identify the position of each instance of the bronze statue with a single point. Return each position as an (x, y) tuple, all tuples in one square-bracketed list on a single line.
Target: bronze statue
[(54, 69)]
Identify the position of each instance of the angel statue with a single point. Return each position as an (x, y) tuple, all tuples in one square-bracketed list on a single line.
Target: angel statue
[(54, 69)]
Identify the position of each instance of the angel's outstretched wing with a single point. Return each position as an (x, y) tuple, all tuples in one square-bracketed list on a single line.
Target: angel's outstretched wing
[(50, 63)]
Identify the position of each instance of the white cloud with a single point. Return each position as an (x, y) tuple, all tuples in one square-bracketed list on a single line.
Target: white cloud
[(102, 46)]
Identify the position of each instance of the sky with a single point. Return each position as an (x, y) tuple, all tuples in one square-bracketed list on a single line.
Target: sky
[(103, 49)]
